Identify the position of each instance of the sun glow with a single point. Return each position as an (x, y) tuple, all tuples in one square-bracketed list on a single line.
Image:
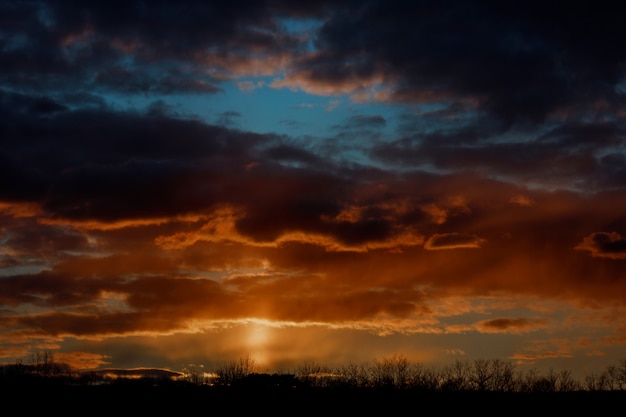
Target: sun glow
[(258, 338)]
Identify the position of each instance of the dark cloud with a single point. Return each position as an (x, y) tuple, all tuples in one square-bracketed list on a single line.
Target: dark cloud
[(228, 119), (110, 166), (117, 165), (289, 200), (294, 154), (495, 72), (136, 49), (357, 132), (119, 79), (48, 289), (15, 104), (33, 241), (604, 245), (522, 62), (367, 121), (509, 324), (567, 156)]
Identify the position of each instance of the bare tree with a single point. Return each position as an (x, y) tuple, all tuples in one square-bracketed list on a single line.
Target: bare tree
[(617, 376), (534, 382), (481, 374), (597, 382), (392, 371), (44, 365), (424, 378), (456, 377), (231, 372), (565, 382), (353, 375), (312, 373), (503, 375), (194, 374), (491, 375)]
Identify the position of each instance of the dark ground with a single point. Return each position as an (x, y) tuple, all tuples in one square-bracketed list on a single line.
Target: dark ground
[(203, 400)]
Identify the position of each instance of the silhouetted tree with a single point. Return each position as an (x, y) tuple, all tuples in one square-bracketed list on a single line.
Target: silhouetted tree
[(15, 372), (195, 374), (268, 381), (491, 375), (425, 379), (481, 374), (565, 382), (534, 382), (390, 372), (313, 374), (617, 376), (456, 377), (229, 373), (43, 365), (393, 372), (353, 375)]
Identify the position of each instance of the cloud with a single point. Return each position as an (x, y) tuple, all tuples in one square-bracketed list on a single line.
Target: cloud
[(249, 85), (363, 122), (508, 59), (604, 245), (512, 325), (543, 349), (162, 182), (441, 241), (82, 360), (522, 200), (228, 118), (566, 153), (140, 82), (132, 173), (358, 86), (497, 87), (332, 105), (371, 121), (194, 46)]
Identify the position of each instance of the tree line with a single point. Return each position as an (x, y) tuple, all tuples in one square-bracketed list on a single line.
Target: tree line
[(394, 372)]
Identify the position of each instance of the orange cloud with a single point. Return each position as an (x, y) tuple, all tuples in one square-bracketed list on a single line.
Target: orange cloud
[(82, 360), (20, 209), (546, 349), (440, 241), (246, 63), (299, 77), (222, 227), (604, 245), (119, 224), (522, 200)]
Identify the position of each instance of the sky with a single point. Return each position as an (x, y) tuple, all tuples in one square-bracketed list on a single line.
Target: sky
[(186, 183)]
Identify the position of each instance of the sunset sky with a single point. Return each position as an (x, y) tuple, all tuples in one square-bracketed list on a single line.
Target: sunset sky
[(190, 182)]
